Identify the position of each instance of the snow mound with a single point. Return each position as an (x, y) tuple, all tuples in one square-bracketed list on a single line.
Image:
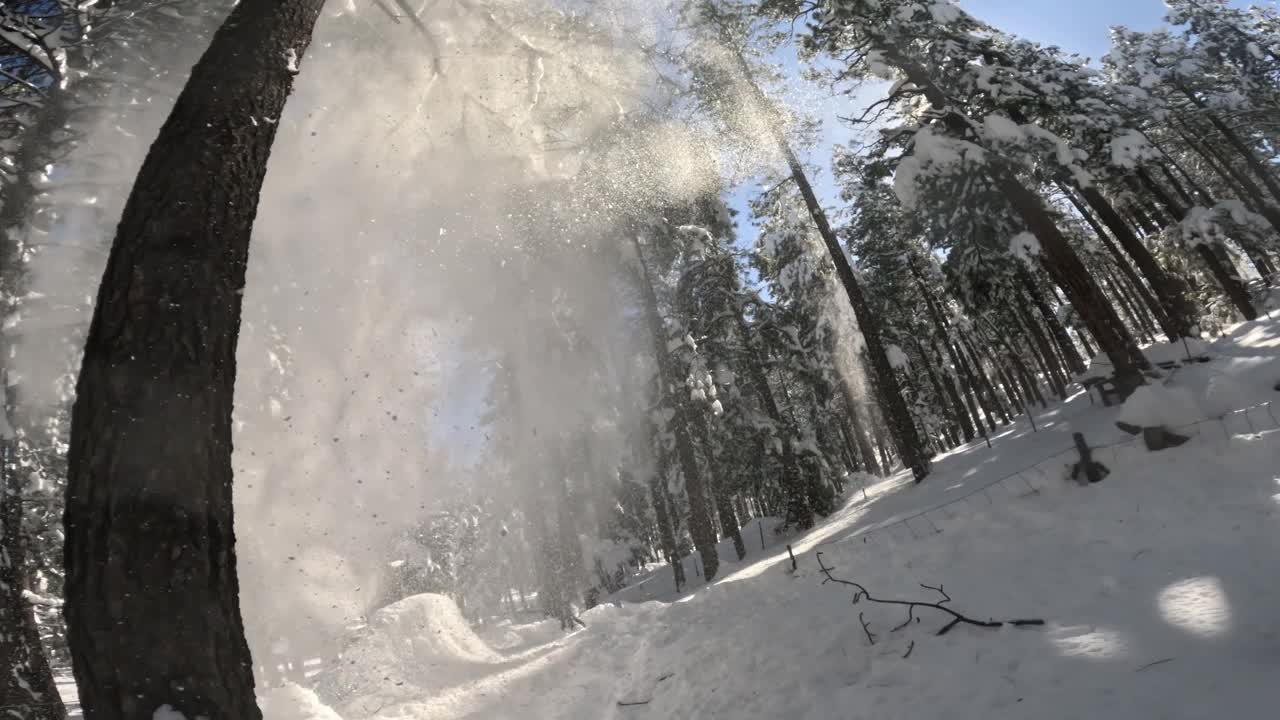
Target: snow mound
[(430, 628), (1224, 394), (1099, 367), (418, 645), (292, 702), (1157, 405), (511, 637)]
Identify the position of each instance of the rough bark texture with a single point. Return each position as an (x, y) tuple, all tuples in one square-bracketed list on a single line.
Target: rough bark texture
[(153, 612)]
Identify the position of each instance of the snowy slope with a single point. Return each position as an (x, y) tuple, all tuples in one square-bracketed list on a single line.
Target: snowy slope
[(1157, 585), (1169, 561)]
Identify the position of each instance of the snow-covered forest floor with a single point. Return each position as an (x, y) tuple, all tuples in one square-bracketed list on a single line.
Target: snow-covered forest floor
[(1156, 586)]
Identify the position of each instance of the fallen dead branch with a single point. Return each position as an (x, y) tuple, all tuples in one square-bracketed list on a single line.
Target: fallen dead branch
[(1153, 664), (860, 594)]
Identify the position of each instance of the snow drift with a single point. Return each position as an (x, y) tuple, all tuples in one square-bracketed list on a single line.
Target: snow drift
[(409, 649), (293, 702)]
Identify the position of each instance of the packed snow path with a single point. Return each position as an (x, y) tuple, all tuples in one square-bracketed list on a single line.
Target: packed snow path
[(1159, 586)]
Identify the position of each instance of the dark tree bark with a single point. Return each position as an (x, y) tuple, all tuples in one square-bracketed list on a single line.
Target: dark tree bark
[(1021, 374), (1070, 274), (973, 387), (877, 429), (1138, 317), (153, 614), (1018, 403)]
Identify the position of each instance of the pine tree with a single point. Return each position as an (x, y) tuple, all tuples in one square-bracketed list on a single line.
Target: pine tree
[(149, 513), (954, 148)]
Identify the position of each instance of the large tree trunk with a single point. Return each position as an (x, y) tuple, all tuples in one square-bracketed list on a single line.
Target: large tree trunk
[(153, 613)]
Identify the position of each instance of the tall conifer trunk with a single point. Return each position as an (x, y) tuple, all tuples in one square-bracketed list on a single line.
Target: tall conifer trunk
[(153, 614)]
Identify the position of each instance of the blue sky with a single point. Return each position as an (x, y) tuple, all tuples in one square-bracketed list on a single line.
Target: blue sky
[(1074, 25)]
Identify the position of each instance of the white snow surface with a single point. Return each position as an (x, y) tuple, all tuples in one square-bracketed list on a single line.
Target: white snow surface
[(1161, 406), (416, 646), (293, 702), (1150, 566), (1156, 587)]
